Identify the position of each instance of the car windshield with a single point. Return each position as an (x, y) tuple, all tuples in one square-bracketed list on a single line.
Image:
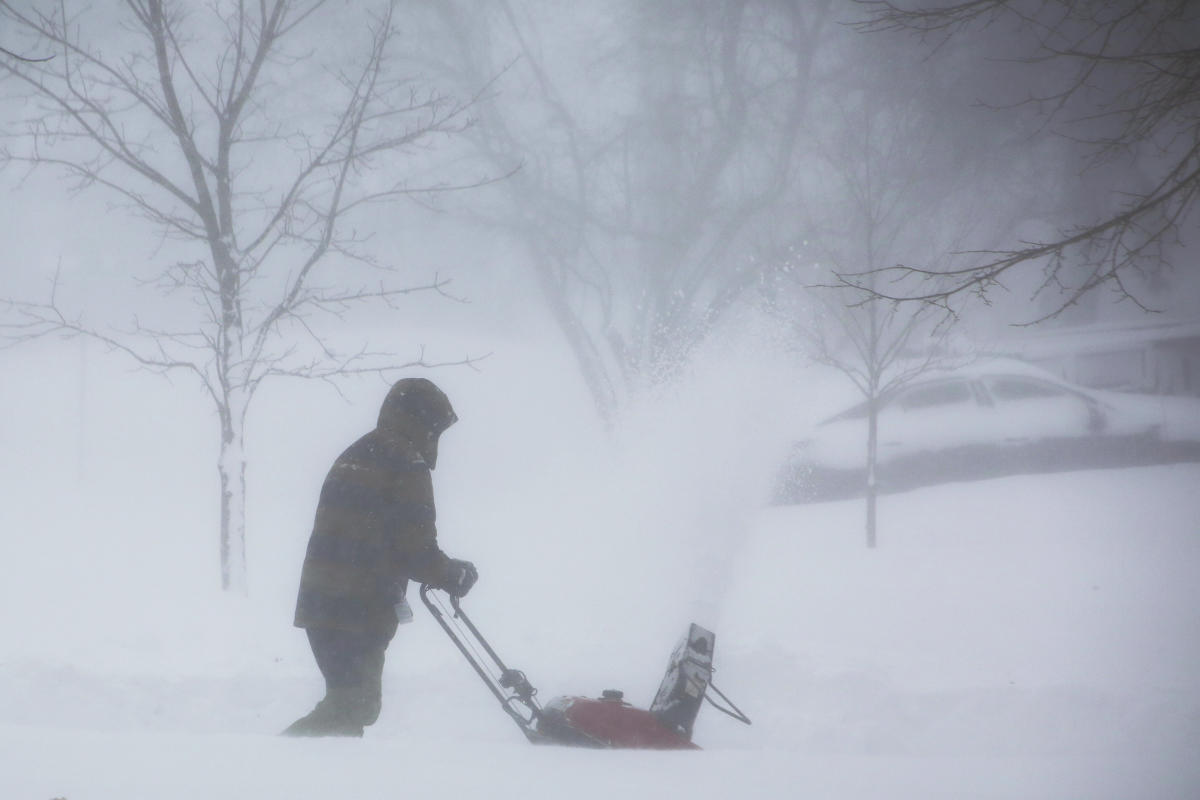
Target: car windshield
[(936, 394), (1013, 388)]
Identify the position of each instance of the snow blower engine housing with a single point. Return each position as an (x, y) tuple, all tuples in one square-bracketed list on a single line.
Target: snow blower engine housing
[(607, 721)]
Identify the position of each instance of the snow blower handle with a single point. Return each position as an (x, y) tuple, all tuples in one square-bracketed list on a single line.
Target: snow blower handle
[(499, 679)]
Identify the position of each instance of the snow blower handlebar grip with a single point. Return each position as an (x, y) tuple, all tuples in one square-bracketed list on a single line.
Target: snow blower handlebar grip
[(515, 679)]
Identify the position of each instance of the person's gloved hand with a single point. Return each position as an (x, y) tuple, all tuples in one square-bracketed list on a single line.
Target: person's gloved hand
[(460, 577)]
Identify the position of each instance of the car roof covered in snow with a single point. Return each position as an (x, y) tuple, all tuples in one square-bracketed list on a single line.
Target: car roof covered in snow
[(989, 366), (965, 370)]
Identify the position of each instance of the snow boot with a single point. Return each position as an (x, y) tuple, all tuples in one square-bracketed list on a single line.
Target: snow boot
[(342, 712)]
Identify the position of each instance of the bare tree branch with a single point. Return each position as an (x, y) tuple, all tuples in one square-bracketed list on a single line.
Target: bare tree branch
[(1131, 88), (26, 59), (636, 222)]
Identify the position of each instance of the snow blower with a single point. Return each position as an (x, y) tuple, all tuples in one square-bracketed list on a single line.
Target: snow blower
[(604, 722)]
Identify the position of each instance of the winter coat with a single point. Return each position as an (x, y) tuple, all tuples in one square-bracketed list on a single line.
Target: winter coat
[(374, 530)]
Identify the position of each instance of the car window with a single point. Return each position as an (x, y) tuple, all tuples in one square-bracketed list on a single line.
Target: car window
[(936, 394), (1023, 389), (856, 412)]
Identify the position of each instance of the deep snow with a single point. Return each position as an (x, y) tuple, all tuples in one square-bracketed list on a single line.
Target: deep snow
[(1028, 637), (1049, 650)]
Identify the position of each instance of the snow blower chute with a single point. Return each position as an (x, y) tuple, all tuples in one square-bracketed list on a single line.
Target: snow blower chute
[(607, 721)]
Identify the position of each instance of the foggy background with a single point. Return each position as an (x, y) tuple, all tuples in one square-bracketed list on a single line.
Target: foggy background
[(642, 213)]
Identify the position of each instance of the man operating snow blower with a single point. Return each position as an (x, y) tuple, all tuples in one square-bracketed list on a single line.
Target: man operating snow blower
[(374, 532)]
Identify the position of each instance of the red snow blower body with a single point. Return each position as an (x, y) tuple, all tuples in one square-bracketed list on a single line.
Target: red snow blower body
[(604, 722)]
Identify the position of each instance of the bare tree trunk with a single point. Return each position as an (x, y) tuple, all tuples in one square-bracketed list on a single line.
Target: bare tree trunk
[(875, 373), (588, 356), (872, 457), (231, 466)]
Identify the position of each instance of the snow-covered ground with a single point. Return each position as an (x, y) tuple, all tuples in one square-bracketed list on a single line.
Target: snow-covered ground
[(1049, 649), (1028, 637)]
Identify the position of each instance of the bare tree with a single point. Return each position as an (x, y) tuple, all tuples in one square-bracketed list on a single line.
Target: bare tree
[(880, 347), (1124, 81), (883, 170), (635, 201), (185, 116)]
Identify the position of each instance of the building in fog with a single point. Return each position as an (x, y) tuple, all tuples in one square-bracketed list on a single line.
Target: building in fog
[(1157, 357)]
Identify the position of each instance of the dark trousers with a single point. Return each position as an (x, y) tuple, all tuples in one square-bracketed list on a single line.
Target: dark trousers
[(352, 664), (347, 659)]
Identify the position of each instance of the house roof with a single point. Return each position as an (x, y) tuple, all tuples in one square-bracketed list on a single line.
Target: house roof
[(1099, 338)]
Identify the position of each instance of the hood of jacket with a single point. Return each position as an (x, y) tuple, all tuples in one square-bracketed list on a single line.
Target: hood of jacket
[(417, 411)]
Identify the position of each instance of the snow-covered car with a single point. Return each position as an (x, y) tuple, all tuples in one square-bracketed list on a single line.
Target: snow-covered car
[(995, 417)]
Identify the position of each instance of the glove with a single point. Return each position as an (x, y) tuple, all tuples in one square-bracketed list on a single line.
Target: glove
[(460, 577)]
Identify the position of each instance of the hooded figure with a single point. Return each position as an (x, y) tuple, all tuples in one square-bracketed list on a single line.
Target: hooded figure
[(374, 531)]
